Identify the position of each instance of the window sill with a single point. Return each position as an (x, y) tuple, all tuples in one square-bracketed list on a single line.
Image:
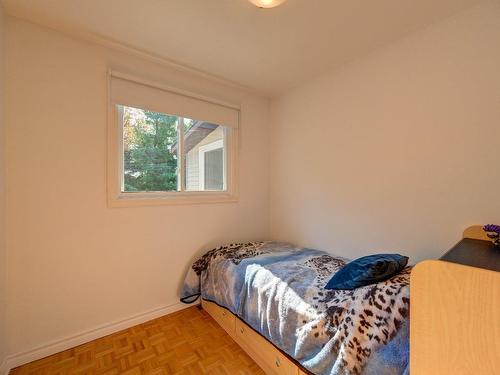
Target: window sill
[(165, 199)]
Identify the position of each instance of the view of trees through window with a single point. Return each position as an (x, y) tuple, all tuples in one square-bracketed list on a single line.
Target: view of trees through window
[(150, 161), (151, 152)]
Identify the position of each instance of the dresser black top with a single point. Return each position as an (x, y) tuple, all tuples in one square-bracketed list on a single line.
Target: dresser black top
[(475, 253)]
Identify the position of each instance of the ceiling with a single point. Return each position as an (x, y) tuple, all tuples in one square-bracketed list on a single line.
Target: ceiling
[(270, 50)]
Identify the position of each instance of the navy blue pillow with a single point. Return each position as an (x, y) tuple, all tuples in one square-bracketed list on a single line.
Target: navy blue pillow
[(367, 270)]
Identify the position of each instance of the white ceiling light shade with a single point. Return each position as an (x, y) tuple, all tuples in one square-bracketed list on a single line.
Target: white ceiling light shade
[(267, 3)]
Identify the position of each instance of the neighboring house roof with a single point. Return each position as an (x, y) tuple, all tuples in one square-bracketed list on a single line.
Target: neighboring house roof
[(195, 134)]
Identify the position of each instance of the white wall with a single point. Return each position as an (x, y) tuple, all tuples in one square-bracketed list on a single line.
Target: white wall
[(397, 151), (3, 339), (73, 263)]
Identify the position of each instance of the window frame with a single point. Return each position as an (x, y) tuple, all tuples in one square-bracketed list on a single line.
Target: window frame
[(115, 163)]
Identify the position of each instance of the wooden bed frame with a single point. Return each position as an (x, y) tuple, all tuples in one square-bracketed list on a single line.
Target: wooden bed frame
[(455, 316), (454, 324)]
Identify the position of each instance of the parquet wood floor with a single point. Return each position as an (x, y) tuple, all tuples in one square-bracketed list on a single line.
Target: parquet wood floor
[(188, 342)]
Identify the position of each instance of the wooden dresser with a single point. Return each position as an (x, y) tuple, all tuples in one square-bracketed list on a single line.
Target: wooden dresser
[(455, 310)]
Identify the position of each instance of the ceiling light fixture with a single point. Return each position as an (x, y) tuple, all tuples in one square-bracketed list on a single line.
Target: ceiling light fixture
[(267, 3)]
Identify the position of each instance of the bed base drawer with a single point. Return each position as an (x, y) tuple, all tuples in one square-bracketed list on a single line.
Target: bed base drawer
[(270, 359), (224, 317)]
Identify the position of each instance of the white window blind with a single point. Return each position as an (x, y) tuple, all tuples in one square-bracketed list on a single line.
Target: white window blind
[(148, 95)]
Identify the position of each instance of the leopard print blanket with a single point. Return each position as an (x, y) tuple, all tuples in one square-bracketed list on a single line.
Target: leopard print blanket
[(278, 289)]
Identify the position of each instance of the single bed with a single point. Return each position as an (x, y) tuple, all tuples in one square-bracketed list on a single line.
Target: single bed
[(274, 292)]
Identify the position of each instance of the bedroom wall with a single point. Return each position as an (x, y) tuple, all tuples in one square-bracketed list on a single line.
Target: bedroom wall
[(73, 263), (396, 151), (3, 338)]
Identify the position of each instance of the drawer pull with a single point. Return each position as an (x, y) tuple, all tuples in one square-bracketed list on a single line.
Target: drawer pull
[(224, 313), (278, 362), (242, 330)]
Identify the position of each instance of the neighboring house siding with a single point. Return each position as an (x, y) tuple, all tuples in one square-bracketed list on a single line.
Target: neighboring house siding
[(192, 159), (192, 170)]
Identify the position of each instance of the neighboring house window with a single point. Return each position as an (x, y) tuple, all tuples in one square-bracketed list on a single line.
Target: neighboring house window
[(167, 146), (211, 161)]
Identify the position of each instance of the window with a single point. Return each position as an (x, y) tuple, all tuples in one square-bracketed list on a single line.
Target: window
[(211, 164), (169, 147)]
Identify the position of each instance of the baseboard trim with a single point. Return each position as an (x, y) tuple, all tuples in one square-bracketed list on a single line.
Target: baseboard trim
[(57, 346)]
